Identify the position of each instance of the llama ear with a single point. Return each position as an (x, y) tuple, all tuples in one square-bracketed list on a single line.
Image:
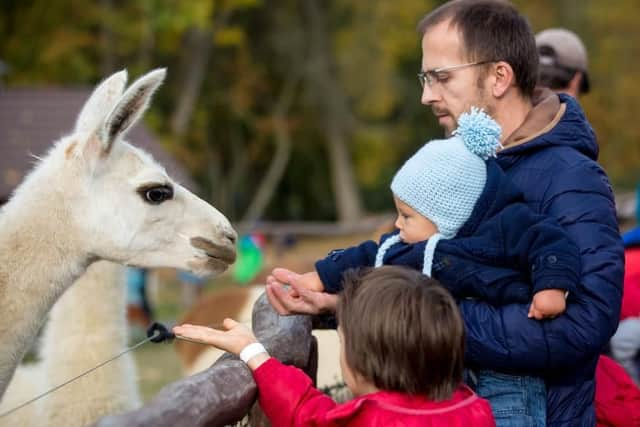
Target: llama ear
[(133, 103), (102, 100)]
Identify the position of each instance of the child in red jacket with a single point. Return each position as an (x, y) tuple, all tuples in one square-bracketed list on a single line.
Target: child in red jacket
[(401, 357)]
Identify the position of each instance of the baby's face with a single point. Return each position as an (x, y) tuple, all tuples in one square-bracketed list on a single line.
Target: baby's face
[(413, 226)]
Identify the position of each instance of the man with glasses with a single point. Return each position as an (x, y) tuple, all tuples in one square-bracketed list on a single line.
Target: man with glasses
[(550, 152), (483, 53)]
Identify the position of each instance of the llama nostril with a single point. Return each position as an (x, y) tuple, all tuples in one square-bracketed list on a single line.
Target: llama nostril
[(231, 236)]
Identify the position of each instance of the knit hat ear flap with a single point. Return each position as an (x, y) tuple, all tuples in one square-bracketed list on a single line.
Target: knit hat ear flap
[(429, 251), (384, 247)]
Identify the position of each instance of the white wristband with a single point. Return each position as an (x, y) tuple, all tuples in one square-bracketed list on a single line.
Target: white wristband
[(251, 351)]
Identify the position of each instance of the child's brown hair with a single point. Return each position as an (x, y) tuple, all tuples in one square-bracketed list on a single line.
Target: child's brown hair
[(402, 331)]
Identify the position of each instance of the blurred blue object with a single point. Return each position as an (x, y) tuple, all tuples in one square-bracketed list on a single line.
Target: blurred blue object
[(190, 278), (136, 282), (631, 237)]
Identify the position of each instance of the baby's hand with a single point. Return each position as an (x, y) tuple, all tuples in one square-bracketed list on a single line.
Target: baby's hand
[(310, 280), (547, 304), (233, 339)]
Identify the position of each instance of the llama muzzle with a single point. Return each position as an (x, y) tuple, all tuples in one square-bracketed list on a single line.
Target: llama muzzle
[(222, 253)]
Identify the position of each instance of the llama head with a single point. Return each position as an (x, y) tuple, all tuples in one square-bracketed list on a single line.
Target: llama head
[(125, 206)]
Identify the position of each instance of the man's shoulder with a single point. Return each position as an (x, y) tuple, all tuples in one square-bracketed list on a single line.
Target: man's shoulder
[(566, 141)]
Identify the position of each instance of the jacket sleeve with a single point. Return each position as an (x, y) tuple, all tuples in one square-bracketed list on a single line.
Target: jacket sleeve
[(508, 258), (288, 398), (503, 338), (538, 244), (331, 268), (466, 277)]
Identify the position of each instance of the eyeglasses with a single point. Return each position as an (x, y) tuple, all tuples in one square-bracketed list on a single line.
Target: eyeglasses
[(441, 75)]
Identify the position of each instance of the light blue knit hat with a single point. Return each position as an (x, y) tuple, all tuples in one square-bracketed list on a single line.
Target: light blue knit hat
[(445, 178)]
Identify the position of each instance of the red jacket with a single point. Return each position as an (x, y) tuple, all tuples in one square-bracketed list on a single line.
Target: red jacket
[(288, 398), (617, 397), (631, 295)]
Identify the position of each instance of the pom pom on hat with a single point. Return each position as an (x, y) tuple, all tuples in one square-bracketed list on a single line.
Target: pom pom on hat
[(479, 132)]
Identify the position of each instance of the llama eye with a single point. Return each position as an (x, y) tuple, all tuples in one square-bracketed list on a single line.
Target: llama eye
[(157, 194)]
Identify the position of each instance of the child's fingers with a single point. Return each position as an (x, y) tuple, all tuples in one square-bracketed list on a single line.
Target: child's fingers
[(271, 280), (276, 294), (297, 288), (284, 275), (280, 274), (536, 314), (229, 323), (197, 334)]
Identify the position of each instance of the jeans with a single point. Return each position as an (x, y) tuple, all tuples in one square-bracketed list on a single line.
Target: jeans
[(516, 401)]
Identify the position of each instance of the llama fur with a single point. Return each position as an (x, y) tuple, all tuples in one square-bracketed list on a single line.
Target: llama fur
[(86, 326), (87, 200)]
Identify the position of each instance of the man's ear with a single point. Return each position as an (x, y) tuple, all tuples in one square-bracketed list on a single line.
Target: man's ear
[(503, 78)]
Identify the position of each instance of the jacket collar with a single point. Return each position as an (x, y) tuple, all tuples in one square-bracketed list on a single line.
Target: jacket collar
[(401, 403), (544, 116)]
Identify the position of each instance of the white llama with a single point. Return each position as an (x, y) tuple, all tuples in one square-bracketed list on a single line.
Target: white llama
[(86, 326), (95, 197)]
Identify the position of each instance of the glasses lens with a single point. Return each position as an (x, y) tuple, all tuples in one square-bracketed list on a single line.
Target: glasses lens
[(422, 78)]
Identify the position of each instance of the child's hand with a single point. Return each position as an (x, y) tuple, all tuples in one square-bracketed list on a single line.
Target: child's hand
[(310, 280), (547, 304), (233, 339)]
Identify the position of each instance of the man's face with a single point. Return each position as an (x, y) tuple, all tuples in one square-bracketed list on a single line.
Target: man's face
[(455, 91)]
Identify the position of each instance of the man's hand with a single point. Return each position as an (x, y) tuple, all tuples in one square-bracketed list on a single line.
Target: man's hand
[(302, 296), (547, 304)]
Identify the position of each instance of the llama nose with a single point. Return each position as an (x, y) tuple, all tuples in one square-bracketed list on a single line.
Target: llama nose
[(230, 235)]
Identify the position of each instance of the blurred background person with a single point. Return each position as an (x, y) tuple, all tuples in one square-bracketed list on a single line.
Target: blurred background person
[(563, 62)]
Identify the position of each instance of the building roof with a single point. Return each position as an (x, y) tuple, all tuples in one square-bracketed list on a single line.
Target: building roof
[(31, 119)]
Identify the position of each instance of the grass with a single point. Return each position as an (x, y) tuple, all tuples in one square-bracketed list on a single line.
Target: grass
[(157, 366)]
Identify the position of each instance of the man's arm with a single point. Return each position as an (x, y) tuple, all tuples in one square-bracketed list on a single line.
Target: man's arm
[(503, 338)]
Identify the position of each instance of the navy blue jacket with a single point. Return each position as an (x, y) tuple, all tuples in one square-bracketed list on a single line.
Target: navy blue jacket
[(496, 256), (559, 176)]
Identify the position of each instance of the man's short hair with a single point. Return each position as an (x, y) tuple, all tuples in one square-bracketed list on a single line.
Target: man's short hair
[(562, 55), (402, 331), (492, 30)]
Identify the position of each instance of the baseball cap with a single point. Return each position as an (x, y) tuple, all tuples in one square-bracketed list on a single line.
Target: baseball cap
[(561, 48)]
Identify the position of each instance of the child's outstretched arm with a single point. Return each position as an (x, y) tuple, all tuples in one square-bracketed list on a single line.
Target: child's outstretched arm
[(331, 268), (234, 338), (286, 394)]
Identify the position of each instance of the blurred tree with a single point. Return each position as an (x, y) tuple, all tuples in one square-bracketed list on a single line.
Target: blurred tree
[(298, 109)]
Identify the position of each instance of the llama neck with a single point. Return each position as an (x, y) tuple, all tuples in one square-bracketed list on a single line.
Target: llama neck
[(91, 313), (86, 327), (40, 256)]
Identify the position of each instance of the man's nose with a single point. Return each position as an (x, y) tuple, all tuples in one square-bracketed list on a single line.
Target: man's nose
[(429, 96)]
